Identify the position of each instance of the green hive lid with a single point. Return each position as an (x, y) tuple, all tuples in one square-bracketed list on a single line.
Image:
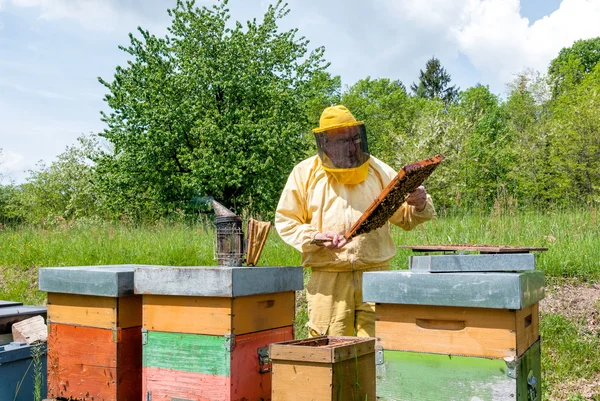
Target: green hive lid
[(482, 290), (217, 281)]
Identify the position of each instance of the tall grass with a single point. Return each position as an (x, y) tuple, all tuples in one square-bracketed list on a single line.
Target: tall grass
[(572, 239)]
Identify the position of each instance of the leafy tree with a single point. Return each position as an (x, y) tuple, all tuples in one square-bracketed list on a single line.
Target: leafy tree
[(487, 141), (63, 190), (526, 111), (383, 105), (574, 153), (433, 83), (212, 109), (573, 64)]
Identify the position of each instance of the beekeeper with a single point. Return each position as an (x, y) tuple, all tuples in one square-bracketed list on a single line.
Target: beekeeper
[(324, 195)]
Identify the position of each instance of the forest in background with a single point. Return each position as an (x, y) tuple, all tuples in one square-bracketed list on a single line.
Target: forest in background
[(224, 110)]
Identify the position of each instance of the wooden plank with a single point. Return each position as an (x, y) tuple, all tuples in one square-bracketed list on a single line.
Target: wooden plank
[(247, 382), (82, 363), (187, 353), (475, 248), (354, 350), (282, 352), (84, 310), (301, 381), (78, 345), (409, 376), (169, 384), (354, 379), (94, 364), (129, 311), (446, 330), (183, 314), (129, 364), (263, 312), (527, 324), (30, 330)]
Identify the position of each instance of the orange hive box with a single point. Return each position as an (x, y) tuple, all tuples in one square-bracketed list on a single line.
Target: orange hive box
[(94, 333)]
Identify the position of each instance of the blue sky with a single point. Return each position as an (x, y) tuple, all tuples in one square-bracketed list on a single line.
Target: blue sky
[(52, 51)]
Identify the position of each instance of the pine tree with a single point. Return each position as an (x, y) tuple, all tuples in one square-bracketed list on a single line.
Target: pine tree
[(433, 83)]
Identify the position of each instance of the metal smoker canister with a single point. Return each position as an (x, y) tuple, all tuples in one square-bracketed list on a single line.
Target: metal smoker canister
[(230, 241)]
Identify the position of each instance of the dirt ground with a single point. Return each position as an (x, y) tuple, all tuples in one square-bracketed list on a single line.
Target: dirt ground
[(579, 303)]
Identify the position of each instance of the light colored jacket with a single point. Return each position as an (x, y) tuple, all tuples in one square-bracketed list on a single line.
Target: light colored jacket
[(313, 201)]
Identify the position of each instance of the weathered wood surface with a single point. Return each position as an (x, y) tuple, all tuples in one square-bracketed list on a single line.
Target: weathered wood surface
[(247, 383), (410, 376), (263, 312), (88, 363), (217, 315), (30, 330), (95, 311), (187, 353), (324, 368), (496, 333), (324, 349), (169, 384), (192, 315), (301, 381), (475, 248), (195, 366)]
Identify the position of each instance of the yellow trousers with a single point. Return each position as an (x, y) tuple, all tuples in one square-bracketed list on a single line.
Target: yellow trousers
[(335, 306)]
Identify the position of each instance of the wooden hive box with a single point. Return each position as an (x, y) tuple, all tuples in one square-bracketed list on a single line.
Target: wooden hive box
[(457, 305), (94, 333), (206, 329), (324, 369)]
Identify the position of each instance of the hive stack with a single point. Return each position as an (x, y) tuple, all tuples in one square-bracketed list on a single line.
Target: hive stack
[(458, 327), (94, 333), (206, 330)]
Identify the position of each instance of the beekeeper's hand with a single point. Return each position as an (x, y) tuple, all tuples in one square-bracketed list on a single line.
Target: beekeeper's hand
[(418, 199), (337, 240)]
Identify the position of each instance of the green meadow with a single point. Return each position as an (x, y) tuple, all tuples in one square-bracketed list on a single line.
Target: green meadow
[(571, 346)]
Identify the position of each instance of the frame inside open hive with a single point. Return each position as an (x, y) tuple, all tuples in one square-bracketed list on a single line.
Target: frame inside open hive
[(394, 195)]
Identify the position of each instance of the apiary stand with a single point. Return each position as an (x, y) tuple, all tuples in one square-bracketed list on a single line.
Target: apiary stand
[(458, 327), (206, 330), (94, 333)]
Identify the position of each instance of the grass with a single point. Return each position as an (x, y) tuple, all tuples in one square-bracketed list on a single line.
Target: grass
[(572, 238)]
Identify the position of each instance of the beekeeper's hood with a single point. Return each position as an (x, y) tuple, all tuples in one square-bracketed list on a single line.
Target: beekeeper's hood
[(342, 145)]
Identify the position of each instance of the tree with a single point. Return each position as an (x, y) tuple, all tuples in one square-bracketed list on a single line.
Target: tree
[(212, 109), (486, 158), (574, 135), (65, 189), (573, 64), (433, 83), (383, 105)]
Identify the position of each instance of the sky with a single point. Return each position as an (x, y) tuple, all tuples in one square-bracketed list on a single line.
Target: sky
[(53, 51)]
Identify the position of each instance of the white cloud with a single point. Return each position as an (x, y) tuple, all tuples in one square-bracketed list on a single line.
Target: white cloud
[(101, 15), (493, 35)]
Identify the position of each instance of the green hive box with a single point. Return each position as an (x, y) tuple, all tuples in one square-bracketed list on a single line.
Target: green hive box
[(466, 332)]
